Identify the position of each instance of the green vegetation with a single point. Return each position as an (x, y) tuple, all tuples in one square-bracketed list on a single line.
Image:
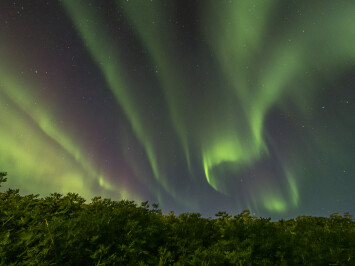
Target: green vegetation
[(63, 230)]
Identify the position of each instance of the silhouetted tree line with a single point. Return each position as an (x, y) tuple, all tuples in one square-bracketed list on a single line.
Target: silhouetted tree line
[(63, 230)]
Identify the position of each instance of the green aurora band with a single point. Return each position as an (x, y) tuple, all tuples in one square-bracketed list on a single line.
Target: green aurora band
[(254, 64), (34, 147), (237, 34), (240, 31), (107, 58)]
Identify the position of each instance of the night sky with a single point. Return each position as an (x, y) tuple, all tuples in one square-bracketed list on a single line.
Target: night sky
[(200, 106)]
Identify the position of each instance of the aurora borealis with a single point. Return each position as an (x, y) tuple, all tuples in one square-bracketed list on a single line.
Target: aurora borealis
[(200, 106)]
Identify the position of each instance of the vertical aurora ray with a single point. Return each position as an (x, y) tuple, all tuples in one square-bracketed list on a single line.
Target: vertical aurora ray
[(242, 41), (244, 143), (150, 23), (239, 34), (100, 47), (107, 58), (149, 20)]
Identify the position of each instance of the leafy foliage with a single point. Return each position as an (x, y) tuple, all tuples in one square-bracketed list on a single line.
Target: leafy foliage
[(3, 179), (63, 230)]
